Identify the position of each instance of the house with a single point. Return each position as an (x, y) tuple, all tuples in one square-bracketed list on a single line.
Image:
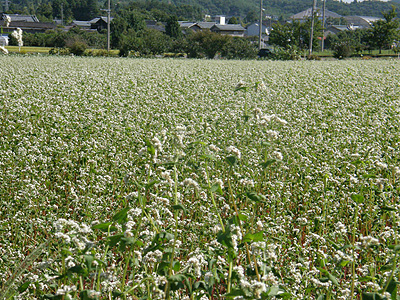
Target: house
[(229, 29), (30, 27), (21, 18), (254, 30), (99, 23), (84, 25), (3, 40), (220, 19), (199, 26), (306, 14), (361, 21), (335, 29), (152, 24)]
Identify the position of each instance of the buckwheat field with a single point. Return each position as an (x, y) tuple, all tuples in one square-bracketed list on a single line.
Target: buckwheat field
[(195, 179)]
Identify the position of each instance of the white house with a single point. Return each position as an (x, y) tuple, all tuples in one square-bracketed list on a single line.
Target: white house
[(3, 40)]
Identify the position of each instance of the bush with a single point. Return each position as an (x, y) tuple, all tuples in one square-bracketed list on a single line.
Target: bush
[(287, 54), (313, 57), (78, 48), (59, 51), (342, 49)]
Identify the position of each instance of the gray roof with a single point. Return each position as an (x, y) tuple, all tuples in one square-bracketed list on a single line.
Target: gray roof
[(23, 18), (229, 27), (81, 23), (205, 25), (308, 12), (185, 24), (361, 20), (95, 20)]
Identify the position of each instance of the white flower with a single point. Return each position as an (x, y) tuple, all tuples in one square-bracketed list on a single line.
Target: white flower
[(17, 34), (7, 20), (277, 155), (3, 50), (188, 182), (65, 289), (272, 134), (235, 151)]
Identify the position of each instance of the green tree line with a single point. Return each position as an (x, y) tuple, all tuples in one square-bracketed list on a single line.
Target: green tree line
[(194, 9), (295, 36)]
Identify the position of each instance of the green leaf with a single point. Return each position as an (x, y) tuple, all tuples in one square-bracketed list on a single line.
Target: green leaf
[(242, 217), (114, 239), (329, 275), (87, 295), (176, 266), (88, 260), (239, 293), (344, 263), (225, 238), (127, 241), (77, 269), (105, 227), (121, 216), (150, 184), (395, 248), (179, 207), (54, 297), (387, 208), (178, 281), (208, 157), (368, 176), (242, 88), (150, 148), (392, 288), (232, 160), (256, 197), (256, 237), (357, 198), (372, 296), (268, 163), (22, 288), (216, 188)]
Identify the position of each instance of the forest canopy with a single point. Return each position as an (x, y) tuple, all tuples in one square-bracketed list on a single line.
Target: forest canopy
[(193, 10)]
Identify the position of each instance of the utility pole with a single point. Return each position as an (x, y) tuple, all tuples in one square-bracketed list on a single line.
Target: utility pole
[(6, 6), (323, 26), (108, 25), (260, 25), (62, 14), (108, 10), (313, 10)]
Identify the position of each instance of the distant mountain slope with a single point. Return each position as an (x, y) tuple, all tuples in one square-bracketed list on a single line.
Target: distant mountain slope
[(285, 8), (239, 8)]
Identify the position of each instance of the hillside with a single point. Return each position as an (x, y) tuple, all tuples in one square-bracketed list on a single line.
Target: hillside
[(239, 8)]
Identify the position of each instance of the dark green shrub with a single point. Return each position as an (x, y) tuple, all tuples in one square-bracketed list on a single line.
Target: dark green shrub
[(78, 48), (342, 49), (291, 53), (313, 57), (59, 51)]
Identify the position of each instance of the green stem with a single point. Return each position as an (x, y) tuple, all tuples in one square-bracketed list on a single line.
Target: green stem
[(213, 201), (353, 269), (167, 294), (230, 276)]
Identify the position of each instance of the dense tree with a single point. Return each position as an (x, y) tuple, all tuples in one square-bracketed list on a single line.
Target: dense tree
[(173, 29), (349, 41), (295, 34), (206, 44), (240, 48), (385, 32), (233, 20), (119, 27), (45, 12)]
